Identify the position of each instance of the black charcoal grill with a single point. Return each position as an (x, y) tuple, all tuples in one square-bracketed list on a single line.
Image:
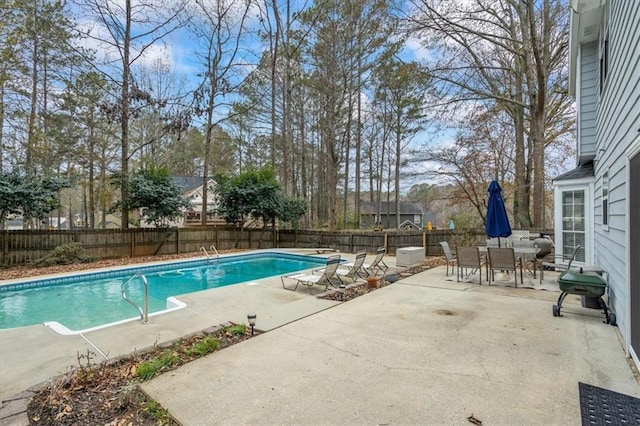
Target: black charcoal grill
[(586, 284)]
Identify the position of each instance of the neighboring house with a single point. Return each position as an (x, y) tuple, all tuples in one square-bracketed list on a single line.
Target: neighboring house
[(193, 192), (111, 222), (58, 223), (597, 205), (411, 215), (13, 224)]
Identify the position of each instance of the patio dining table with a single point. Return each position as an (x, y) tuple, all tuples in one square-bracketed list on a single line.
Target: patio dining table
[(525, 253)]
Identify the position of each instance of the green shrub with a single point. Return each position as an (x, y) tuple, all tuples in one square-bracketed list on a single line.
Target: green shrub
[(147, 370), (203, 347), (236, 329), (156, 411), (65, 254)]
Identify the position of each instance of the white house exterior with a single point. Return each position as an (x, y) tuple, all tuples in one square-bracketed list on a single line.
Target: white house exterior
[(598, 203)]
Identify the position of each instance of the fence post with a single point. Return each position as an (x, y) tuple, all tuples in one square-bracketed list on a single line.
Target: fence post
[(5, 247), (177, 240)]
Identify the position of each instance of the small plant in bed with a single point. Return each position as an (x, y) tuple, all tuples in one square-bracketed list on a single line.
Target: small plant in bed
[(108, 392)]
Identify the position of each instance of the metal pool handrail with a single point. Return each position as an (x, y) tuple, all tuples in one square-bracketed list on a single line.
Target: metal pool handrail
[(212, 249), (144, 315)]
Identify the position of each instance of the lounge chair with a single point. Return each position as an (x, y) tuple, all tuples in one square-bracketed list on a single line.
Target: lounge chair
[(354, 270), (329, 276), (450, 257), (469, 258), (504, 259), (550, 261), (378, 264)]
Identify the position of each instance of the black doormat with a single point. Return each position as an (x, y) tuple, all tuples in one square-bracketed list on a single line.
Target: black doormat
[(600, 406)]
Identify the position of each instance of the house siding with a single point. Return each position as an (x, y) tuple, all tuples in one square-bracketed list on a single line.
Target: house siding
[(588, 99), (618, 119)]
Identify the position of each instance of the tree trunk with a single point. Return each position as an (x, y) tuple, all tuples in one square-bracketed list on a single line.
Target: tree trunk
[(124, 125), (31, 135), (274, 57), (207, 152), (358, 149), (521, 215), (397, 165), (537, 132), (347, 152)]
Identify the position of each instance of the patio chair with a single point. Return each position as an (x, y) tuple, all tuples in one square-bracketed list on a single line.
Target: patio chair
[(450, 257), (329, 276), (504, 260), (528, 258), (557, 262), (469, 258), (378, 264), (355, 269)]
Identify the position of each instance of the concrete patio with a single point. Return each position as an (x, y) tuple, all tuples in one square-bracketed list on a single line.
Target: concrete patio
[(422, 350)]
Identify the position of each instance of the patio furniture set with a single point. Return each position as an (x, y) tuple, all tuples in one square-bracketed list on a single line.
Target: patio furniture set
[(335, 272), (585, 281), (468, 260)]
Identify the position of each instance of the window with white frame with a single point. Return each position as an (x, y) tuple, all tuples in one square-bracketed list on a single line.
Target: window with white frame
[(573, 223)]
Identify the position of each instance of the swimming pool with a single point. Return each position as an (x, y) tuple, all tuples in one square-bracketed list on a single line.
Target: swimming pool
[(89, 300)]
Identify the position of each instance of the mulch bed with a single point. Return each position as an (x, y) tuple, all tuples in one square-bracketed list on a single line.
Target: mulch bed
[(108, 393), (361, 287)]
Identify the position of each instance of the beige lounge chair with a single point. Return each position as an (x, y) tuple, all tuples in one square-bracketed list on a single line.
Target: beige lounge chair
[(328, 277), (355, 269), (378, 264)]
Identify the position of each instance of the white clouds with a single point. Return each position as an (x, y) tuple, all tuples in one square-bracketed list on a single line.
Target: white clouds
[(418, 50), (156, 54)]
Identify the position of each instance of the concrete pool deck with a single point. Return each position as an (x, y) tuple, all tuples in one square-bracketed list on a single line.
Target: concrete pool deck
[(423, 350)]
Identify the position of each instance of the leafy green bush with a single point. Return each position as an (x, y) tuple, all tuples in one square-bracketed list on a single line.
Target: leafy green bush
[(65, 254)]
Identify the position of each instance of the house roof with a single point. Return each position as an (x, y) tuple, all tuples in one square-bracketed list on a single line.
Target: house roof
[(188, 183), (406, 207), (584, 170)]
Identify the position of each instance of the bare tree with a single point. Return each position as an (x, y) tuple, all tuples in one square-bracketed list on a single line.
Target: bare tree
[(127, 30), (511, 53), (219, 28), (482, 151)]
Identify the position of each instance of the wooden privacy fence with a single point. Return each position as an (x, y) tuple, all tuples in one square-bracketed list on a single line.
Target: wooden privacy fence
[(20, 247)]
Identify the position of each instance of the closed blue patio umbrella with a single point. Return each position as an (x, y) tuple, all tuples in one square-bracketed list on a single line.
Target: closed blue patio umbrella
[(497, 220)]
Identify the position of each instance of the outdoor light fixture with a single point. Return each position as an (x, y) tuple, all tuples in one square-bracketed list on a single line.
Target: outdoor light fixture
[(342, 289), (252, 320)]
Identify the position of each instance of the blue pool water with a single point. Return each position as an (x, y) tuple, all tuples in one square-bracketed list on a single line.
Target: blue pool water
[(89, 300)]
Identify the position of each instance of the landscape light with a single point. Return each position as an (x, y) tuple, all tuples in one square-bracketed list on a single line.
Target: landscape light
[(252, 320)]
